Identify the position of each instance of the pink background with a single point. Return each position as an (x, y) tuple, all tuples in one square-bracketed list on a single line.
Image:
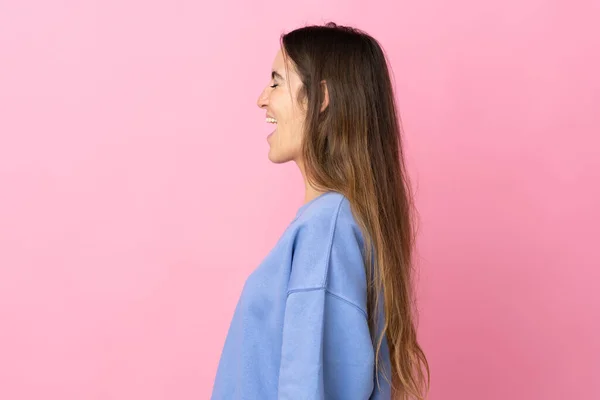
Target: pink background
[(136, 194)]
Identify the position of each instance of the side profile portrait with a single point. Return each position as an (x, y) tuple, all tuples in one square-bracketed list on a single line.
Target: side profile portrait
[(330, 312)]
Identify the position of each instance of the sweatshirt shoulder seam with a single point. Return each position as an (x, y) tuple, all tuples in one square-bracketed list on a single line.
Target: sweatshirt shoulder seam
[(330, 293), (330, 245)]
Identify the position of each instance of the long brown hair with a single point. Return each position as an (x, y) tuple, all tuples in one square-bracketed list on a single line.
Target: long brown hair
[(354, 147)]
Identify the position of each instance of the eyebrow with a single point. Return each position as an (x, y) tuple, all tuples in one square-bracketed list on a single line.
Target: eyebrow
[(275, 74)]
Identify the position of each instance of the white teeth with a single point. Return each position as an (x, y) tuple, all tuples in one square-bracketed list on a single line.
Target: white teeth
[(271, 120)]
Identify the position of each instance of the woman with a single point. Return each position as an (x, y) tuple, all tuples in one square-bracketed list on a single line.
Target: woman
[(327, 314)]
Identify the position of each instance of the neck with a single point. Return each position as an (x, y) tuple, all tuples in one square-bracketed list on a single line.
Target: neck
[(310, 192)]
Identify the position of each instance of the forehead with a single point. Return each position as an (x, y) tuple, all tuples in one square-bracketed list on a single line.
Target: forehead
[(279, 65), (279, 62)]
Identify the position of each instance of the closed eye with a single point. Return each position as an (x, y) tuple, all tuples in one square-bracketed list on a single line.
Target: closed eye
[(274, 85)]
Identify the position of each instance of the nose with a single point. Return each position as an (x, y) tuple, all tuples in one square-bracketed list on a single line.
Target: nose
[(263, 99)]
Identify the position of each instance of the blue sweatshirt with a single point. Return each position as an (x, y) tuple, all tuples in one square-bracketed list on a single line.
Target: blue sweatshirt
[(299, 330)]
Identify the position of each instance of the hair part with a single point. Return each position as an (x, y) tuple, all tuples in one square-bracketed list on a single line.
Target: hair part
[(354, 147)]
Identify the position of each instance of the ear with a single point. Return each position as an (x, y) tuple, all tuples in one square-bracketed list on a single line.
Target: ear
[(325, 95)]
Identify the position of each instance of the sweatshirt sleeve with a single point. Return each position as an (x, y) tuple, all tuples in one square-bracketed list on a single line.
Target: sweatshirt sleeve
[(327, 352)]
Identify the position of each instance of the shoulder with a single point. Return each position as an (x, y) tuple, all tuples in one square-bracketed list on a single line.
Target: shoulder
[(328, 248), (330, 210)]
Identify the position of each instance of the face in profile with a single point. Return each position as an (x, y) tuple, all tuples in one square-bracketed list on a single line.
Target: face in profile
[(282, 110)]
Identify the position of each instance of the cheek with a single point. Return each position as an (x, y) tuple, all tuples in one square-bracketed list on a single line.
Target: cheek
[(292, 139), (276, 103), (288, 137)]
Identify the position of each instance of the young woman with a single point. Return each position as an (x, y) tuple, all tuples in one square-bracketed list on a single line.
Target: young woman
[(328, 314)]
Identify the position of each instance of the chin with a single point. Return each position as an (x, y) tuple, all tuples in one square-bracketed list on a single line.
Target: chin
[(278, 158)]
